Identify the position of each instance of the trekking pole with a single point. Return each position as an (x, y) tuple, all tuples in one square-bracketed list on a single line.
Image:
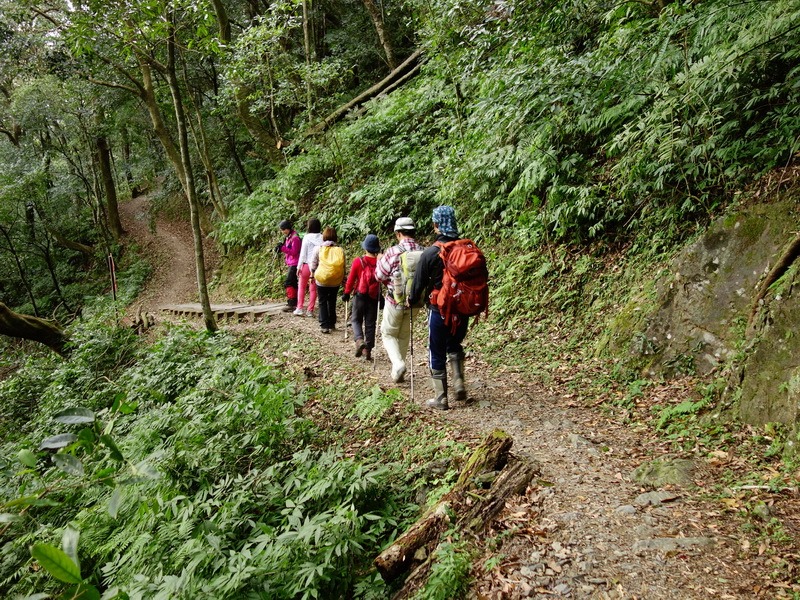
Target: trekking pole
[(377, 330), (346, 306), (273, 268), (411, 336)]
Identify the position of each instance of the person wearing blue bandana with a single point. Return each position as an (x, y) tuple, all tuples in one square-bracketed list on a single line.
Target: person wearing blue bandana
[(444, 343)]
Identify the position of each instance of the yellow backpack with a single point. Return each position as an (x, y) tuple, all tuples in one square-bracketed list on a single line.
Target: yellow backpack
[(330, 271)]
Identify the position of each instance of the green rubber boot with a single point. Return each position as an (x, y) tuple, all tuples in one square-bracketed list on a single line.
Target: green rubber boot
[(439, 383)]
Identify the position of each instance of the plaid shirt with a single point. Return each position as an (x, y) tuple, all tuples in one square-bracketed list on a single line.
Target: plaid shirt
[(389, 265)]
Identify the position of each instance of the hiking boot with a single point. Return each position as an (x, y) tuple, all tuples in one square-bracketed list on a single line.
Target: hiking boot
[(398, 374), (367, 354), (287, 309), (456, 360), (360, 345), (439, 383), (299, 312)]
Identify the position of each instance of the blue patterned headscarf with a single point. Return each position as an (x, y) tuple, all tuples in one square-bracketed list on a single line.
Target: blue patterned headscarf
[(445, 219)]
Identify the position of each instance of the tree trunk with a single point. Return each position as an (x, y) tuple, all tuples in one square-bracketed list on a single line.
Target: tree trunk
[(377, 21), (64, 242), (254, 127), (107, 178), (201, 143), (16, 325), (20, 270), (223, 21), (188, 181), (51, 268), (231, 139), (149, 97), (126, 158), (489, 464), (60, 239), (307, 48)]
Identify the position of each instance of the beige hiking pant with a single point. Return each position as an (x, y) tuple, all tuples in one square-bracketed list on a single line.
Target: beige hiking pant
[(396, 333)]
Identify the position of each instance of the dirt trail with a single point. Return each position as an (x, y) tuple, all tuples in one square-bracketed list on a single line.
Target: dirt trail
[(581, 531), (170, 248)]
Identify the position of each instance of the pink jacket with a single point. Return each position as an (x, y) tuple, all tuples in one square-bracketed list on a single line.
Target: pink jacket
[(291, 248)]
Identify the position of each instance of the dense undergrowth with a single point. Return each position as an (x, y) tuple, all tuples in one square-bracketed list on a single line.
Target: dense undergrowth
[(186, 468), (557, 123)]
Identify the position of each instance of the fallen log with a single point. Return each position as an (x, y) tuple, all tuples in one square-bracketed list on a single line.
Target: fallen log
[(402, 73), (398, 557), (489, 478), (512, 481), (45, 332)]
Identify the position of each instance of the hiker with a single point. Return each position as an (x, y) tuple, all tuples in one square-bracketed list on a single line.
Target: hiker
[(327, 266), (290, 246), (311, 240), (444, 338), (396, 323), (365, 289)]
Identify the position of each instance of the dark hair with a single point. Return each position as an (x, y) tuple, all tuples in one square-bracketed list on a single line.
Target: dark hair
[(329, 235), (314, 226)]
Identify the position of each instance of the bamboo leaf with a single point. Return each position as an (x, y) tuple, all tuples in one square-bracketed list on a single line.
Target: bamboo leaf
[(109, 443), (114, 502), (146, 470), (69, 544), (31, 501), (9, 517), (83, 592)]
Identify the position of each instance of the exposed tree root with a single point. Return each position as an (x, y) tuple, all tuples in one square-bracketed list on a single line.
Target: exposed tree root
[(787, 258)]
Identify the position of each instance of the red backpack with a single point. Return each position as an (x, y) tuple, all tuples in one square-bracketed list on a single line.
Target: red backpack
[(367, 284), (465, 282)]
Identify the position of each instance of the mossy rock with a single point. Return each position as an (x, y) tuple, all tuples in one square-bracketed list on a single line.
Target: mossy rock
[(694, 320), (770, 389), (659, 473)]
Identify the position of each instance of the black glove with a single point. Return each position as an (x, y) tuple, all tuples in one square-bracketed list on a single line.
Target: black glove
[(346, 297), (278, 248)]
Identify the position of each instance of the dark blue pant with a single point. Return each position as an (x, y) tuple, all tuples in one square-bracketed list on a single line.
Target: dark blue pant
[(442, 341), (365, 313), (326, 298)]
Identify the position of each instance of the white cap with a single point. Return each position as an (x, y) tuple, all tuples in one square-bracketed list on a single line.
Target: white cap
[(404, 224)]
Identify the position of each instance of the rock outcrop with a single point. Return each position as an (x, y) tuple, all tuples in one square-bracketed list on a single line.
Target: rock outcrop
[(694, 316)]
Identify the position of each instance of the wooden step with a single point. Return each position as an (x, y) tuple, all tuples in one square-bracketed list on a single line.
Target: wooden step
[(226, 312)]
